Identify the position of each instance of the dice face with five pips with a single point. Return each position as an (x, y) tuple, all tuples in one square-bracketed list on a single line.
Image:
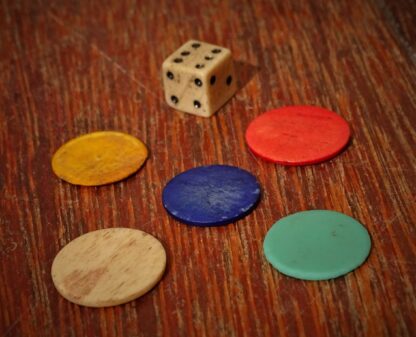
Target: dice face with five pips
[(199, 78)]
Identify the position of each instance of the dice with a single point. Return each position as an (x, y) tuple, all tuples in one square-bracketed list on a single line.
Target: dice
[(199, 78)]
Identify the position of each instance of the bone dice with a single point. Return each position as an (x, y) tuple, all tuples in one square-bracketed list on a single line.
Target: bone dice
[(199, 78)]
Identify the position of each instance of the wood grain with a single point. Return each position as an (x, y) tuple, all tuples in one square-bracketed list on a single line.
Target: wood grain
[(108, 267), (72, 67)]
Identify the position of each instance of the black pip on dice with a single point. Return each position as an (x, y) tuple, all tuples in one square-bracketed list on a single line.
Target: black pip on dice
[(199, 78)]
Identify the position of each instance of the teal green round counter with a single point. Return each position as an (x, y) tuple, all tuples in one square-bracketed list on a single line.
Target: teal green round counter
[(317, 245)]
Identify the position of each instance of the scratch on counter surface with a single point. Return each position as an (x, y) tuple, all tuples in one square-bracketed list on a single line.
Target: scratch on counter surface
[(103, 54), (11, 327)]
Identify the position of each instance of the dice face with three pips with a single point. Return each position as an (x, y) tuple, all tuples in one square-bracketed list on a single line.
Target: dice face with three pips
[(199, 78)]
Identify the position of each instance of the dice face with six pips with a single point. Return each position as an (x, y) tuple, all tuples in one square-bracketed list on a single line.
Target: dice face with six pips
[(199, 78)]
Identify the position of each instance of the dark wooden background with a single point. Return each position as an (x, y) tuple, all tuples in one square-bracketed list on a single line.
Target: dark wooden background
[(68, 68)]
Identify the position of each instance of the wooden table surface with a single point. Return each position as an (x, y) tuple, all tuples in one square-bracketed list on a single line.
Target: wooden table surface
[(72, 67)]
